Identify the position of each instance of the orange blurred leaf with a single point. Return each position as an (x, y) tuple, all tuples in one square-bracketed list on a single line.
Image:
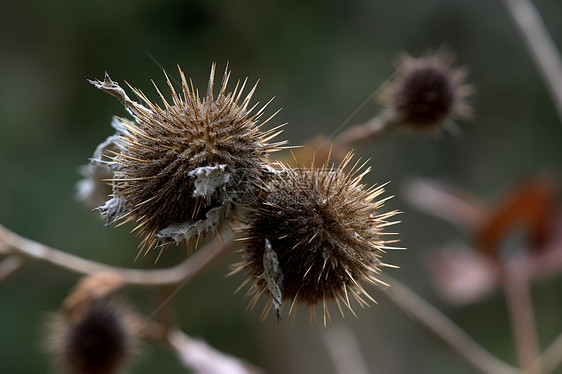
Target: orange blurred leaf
[(531, 206)]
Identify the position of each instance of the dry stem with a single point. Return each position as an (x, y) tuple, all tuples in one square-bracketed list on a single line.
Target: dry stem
[(344, 350), (9, 266), (188, 268), (551, 358), (446, 330), (366, 132), (520, 307), (200, 357), (541, 46)]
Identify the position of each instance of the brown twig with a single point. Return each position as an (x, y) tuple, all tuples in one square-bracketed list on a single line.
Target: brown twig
[(541, 46), (551, 357), (366, 132), (520, 306), (445, 202), (202, 358), (447, 331), (9, 266), (194, 354), (163, 312), (40, 252), (344, 350)]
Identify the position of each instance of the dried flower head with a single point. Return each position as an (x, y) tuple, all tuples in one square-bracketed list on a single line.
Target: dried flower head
[(427, 91), (180, 168), (316, 236), (97, 342)]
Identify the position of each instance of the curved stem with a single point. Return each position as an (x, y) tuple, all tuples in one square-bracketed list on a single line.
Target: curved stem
[(170, 276), (446, 330), (200, 357), (193, 353), (9, 266), (344, 350), (551, 358), (541, 46), (368, 131), (520, 306)]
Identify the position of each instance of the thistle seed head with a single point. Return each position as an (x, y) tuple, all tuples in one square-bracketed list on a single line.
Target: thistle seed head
[(427, 91), (181, 167), (97, 342), (316, 236)]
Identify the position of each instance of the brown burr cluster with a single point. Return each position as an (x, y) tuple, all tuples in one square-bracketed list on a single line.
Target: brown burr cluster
[(316, 236), (179, 169), (183, 169)]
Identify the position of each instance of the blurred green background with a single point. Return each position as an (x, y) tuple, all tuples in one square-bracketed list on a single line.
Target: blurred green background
[(321, 60)]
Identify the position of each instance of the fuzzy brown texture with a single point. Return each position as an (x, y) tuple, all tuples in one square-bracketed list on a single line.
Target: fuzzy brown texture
[(167, 148), (427, 91), (98, 342), (326, 232)]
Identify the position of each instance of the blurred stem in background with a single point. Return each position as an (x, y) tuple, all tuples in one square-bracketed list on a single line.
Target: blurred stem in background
[(540, 45)]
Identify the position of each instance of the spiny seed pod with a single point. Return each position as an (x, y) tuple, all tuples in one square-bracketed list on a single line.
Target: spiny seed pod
[(181, 169), (98, 342), (427, 91), (316, 236)]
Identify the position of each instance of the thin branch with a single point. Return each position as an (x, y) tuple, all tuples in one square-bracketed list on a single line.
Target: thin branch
[(9, 266), (520, 306), (40, 252), (4, 249), (446, 330), (541, 46), (194, 354), (366, 132), (200, 357), (440, 200), (344, 350), (551, 357)]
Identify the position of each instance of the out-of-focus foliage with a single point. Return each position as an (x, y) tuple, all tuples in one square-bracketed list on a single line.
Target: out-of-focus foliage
[(321, 59)]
